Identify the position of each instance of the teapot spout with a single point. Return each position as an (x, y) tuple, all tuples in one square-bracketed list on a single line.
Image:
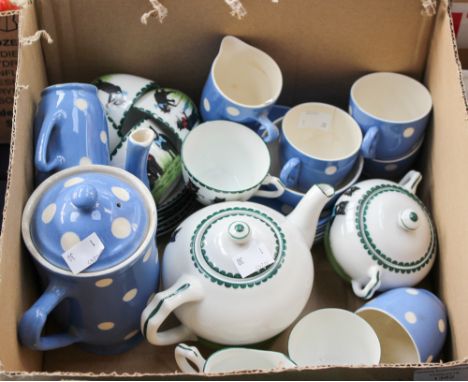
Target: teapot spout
[(307, 213), (138, 147)]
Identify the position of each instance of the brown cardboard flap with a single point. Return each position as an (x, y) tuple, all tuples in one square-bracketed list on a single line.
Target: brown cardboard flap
[(447, 178), (321, 46)]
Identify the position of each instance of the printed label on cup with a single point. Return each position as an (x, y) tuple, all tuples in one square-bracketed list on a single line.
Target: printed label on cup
[(83, 254), (315, 120), (253, 259)]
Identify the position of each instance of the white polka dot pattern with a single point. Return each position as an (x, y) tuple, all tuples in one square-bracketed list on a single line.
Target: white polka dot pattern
[(68, 240), (410, 317), (412, 291), (103, 283), (73, 181), (131, 335), (121, 193), (81, 104), (441, 325), (84, 161), (49, 213), (103, 137), (121, 228), (408, 132), (108, 325), (430, 358), (206, 104), (330, 170), (130, 295), (147, 255), (233, 111)]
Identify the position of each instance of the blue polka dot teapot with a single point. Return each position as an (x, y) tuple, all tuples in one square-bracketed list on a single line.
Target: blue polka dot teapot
[(236, 273), (91, 232)]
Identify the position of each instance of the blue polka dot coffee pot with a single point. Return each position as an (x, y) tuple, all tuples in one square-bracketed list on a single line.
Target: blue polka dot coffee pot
[(236, 273), (381, 235), (91, 232)]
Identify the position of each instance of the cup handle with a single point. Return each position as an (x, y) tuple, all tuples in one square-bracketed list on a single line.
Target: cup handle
[(368, 290), (369, 142), (186, 289), (33, 321), (411, 181), (290, 172), (40, 158), (184, 353), (267, 130), (271, 180)]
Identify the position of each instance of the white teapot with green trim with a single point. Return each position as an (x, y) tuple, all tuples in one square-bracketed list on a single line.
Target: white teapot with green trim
[(381, 235), (236, 273)]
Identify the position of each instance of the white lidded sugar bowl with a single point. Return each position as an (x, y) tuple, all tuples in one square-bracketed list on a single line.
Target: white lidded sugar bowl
[(381, 235), (236, 273)]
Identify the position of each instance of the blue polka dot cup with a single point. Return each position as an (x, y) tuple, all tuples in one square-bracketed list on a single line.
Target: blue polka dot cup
[(243, 85), (411, 325), (91, 233), (70, 129), (393, 110), (319, 143)]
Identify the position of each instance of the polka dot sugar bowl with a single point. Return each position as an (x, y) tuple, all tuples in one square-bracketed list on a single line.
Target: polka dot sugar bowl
[(91, 232), (70, 129), (381, 235), (411, 325)]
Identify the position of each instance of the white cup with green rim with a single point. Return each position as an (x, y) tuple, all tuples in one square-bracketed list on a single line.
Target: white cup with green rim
[(226, 161), (229, 360)]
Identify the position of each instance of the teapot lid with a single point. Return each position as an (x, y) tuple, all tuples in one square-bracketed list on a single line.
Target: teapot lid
[(75, 203), (238, 246), (393, 226)]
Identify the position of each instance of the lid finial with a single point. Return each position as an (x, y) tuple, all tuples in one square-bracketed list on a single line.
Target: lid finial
[(84, 197)]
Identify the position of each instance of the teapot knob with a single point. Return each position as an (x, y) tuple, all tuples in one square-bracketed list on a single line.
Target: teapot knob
[(85, 197), (239, 232), (409, 220)]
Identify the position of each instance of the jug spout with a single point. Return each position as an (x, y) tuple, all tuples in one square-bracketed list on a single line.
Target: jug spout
[(138, 147), (307, 213), (231, 45)]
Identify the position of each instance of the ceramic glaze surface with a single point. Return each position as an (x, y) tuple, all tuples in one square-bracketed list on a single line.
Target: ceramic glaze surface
[(420, 324), (70, 129), (223, 161), (395, 108), (100, 307), (242, 86), (319, 143), (229, 360), (198, 267), (381, 235)]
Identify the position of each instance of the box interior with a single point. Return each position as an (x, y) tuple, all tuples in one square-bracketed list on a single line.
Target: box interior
[(321, 47)]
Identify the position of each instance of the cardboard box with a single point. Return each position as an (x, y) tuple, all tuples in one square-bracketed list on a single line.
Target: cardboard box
[(8, 63), (322, 47)]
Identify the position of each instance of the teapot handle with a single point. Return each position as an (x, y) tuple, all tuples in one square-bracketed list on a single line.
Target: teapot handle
[(186, 289), (184, 353), (368, 290), (411, 181)]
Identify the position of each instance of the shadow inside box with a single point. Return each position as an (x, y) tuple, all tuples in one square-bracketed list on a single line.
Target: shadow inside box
[(146, 358)]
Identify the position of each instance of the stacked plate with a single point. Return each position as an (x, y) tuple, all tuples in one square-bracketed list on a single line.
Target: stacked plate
[(132, 102)]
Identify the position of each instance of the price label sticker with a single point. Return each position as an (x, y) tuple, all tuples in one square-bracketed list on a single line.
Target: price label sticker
[(253, 259), (83, 254), (315, 120)]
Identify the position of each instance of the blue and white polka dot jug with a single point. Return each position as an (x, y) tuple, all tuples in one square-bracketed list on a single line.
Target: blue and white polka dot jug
[(69, 215)]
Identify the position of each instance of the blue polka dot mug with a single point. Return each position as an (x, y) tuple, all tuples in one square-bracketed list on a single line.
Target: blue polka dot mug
[(91, 232), (393, 109), (70, 129), (243, 85), (319, 143), (411, 325)]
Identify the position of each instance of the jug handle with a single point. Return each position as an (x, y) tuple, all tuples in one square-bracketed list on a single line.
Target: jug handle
[(184, 353), (186, 289), (368, 290), (267, 130), (274, 181), (43, 143), (369, 142), (33, 321)]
